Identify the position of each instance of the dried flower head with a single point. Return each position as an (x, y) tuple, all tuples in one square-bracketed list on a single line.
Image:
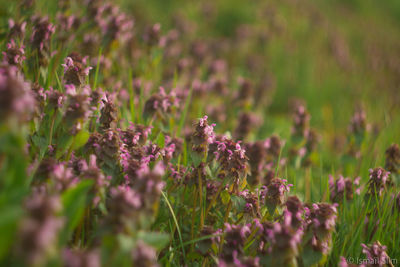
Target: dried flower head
[(393, 159)]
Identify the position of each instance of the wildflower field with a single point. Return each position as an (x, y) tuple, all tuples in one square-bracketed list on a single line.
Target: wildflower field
[(199, 133)]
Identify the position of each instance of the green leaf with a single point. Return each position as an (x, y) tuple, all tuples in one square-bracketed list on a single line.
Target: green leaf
[(225, 197), (9, 217), (81, 139), (154, 239), (74, 202), (196, 158), (238, 203), (63, 144), (311, 257)]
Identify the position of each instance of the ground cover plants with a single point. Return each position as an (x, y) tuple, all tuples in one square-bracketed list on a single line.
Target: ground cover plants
[(199, 133)]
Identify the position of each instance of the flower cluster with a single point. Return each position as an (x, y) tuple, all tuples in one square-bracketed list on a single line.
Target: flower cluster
[(376, 254), (202, 136), (274, 193), (14, 55), (232, 159), (321, 220), (38, 231), (75, 72), (16, 98), (378, 181), (341, 188), (393, 159)]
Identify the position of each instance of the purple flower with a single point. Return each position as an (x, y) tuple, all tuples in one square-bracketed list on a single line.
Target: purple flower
[(14, 55), (144, 255), (274, 193), (152, 35), (38, 230), (301, 120), (378, 181), (16, 98), (108, 116), (321, 220), (235, 237), (80, 258), (16, 30), (247, 122), (75, 72), (294, 212), (41, 34), (358, 124), (376, 254), (203, 135), (342, 187), (161, 103)]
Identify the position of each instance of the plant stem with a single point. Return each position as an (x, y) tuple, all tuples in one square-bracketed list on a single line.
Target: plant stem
[(201, 200), (193, 215)]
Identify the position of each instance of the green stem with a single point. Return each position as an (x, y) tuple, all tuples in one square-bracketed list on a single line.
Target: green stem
[(201, 200), (193, 215)]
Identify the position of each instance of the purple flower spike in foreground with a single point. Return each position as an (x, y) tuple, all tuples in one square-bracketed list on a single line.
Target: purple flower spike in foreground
[(235, 238), (376, 254), (38, 231), (144, 255), (16, 98)]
